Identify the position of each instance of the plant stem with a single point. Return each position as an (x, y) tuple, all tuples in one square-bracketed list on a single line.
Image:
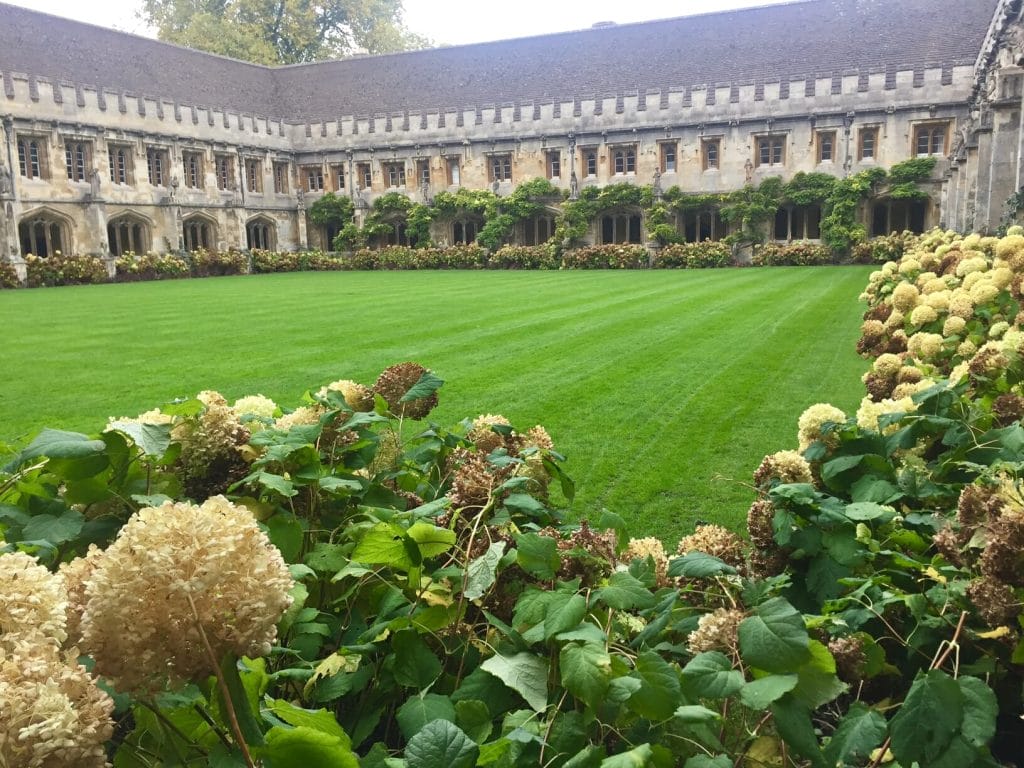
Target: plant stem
[(223, 685)]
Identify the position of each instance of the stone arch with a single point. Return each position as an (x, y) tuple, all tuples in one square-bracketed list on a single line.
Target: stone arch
[(129, 232), (261, 233), (540, 228), (199, 231), (620, 225), (44, 232)]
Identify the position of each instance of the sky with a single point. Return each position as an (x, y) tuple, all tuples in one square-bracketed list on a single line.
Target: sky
[(451, 22)]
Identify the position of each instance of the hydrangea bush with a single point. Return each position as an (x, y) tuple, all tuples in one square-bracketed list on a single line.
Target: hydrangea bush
[(344, 582)]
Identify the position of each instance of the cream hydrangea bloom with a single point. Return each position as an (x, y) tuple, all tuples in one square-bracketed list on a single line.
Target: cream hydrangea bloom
[(303, 416), (909, 265), (905, 297), (925, 346), (33, 604), (911, 388), (959, 371), (887, 364), (154, 416), (52, 714), (813, 419), (998, 329), (641, 549), (953, 326), (938, 301), (984, 291), (870, 411), (357, 396), (895, 320), (961, 304), (923, 314), (935, 285), (255, 405), (174, 572)]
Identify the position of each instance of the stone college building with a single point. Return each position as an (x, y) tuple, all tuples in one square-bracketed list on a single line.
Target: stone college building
[(111, 142)]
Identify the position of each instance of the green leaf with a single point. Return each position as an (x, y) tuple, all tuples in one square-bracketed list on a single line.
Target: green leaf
[(523, 502), (703, 761), (430, 539), (586, 672), (638, 757), (441, 744), (481, 573), (818, 683), (588, 757), (473, 717), (758, 694), (427, 385), (340, 486), (420, 710), (525, 674), (153, 439), (55, 530), (774, 638), (625, 592), (537, 555), (859, 732), (327, 558), (58, 444), (241, 700), (710, 675), (695, 713), (865, 511), (980, 710), (277, 483), (286, 534), (415, 665), (698, 565), (563, 613), (319, 719), (929, 719), (383, 545), (660, 690), (305, 747), (793, 723)]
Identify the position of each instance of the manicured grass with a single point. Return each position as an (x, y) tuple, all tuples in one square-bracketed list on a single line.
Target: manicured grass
[(664, 389)]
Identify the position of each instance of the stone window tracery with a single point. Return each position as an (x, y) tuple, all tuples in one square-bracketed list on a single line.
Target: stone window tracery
[(553, 163), (43, 235), (710, 153), (395, 174), (254, 175), (464, 231), (31, 157), (77, 159), (281, 178), (500, 167), (120, 161), (198, 232), (668, 156), (930, 139), (771, 150), (261, 233), (157, 166), (589, 160), (797, 222), (826, 146), (127, 233), (314, 177), (538, 230), (224, 167), (621, 228), (454, 172), (698, 226), (194, 174), (867, 143), (624, 160)]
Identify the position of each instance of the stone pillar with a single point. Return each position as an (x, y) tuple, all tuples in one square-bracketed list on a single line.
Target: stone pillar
[(300, 214), (983, 194)]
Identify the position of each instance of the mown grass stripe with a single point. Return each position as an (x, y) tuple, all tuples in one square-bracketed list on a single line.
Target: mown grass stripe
[(653, 383)]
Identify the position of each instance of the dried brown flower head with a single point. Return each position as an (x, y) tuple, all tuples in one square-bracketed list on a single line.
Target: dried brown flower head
[(850, 658), (782, 467), (759, 523), (395, 381), (210, 459), (994, 601)]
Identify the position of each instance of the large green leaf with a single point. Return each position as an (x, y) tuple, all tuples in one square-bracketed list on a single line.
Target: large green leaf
[(431, 540), (524, 673), (760, 693), (58, 444), (793, 723), (704, 761), (55, 530), (305, 747), (774, 638), (537, 555), (319, 719), (859, 732), (818, 683), (415, 665), (153, 439), (420, 710), (710, 675), (482, 572), (660, 691), (638, 757), (286, 534), (698, 565), (427, 385), (929, 719), (980, 710), (441, 744), (625, 592), (586, 672)]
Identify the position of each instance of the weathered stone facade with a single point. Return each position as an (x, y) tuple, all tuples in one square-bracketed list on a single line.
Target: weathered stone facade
[(105, 152)]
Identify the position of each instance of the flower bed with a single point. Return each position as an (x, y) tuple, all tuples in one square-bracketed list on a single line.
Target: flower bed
[(694, 256), (606, 257), (59, 269)]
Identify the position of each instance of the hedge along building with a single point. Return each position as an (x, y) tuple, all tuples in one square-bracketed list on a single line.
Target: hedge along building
[(113, 142)]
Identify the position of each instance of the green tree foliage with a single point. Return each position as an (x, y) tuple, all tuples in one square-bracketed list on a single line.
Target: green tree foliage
[(283, 31)]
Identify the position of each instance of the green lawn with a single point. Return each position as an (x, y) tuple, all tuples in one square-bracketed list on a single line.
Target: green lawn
[(663, 388)]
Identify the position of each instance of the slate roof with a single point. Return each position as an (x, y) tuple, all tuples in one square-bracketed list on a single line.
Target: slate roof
[(772, 43)]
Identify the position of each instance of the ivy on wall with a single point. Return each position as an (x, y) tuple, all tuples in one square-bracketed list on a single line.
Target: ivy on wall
[(749, 210)]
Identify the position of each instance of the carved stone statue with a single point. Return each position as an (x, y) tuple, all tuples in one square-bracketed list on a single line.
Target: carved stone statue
[(301, 197), (6, 188)]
